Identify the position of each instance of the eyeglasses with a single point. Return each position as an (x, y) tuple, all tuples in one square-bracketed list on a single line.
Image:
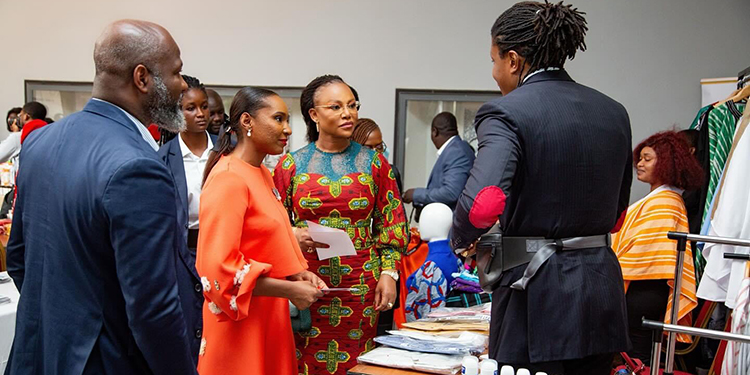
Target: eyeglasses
[(14, 120), (380, 147), (337, 108)]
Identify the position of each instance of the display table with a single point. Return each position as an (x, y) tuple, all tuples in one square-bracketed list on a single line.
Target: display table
[(377, 370), (7, 320)]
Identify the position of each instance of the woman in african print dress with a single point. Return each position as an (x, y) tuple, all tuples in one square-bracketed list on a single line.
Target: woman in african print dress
[(340, 184)]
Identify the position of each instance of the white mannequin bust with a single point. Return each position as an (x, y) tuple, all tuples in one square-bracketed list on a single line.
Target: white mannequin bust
[(435, 222)]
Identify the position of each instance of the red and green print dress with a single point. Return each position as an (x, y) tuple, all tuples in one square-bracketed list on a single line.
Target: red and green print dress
[(354, 190)]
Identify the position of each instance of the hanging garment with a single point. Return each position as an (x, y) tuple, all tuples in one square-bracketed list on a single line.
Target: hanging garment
[(428, 286), (722, 123), (731, 218), (737, 355), (645, 252), (695, 200)]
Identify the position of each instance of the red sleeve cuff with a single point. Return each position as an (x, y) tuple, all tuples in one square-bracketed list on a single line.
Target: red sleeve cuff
[(488, 205)]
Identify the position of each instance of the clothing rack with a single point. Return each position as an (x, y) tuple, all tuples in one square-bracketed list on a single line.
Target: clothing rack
[(673, 329), (743, 78)]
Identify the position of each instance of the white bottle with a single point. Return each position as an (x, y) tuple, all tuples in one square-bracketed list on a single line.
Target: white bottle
[(523, 371), (488, 367), (470, 365), (507, 370)]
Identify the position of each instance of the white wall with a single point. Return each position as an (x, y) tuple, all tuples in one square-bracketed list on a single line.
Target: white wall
[(648, 54)]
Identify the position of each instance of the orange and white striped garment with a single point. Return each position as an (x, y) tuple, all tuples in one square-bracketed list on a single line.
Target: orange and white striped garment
[(645, 252)]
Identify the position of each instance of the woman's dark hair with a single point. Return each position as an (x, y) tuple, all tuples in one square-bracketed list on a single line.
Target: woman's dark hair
[(545, 34), (248, 100), (194, 83), (675, 165), (307, 101), (362, 130), (13, 111)]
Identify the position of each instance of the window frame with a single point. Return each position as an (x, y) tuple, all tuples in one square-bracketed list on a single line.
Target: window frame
[(403, 96)]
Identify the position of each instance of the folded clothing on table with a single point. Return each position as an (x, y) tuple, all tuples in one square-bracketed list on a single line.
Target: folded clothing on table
[(404, 359)]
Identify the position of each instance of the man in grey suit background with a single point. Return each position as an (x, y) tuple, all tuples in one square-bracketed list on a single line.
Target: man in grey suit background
[(451, 170)]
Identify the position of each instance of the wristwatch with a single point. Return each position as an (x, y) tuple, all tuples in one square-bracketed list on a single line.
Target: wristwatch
[(392, 273)]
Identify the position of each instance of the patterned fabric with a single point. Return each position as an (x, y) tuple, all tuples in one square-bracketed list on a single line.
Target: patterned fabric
[(354, 190), (696, 123), (457, 298), (737, 355), (426, 291), (428, 286), (722, 122), (645, 252)]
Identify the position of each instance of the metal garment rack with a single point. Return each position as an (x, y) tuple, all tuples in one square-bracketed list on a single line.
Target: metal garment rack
[(743, 78), (673, 329)]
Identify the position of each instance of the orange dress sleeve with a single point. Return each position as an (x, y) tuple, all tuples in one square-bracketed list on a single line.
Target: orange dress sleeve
[(228, 277)]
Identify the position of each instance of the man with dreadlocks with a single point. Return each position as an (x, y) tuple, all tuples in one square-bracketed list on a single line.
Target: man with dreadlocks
[(553, 171)]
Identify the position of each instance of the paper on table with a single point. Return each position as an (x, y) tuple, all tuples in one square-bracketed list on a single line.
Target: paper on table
[(339, 243)]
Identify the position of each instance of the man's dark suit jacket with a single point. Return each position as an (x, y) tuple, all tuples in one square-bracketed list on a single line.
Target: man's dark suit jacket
[(93, 252), (554, 161), (448, 176)]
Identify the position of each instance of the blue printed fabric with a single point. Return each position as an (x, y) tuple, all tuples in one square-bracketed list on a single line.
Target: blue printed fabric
[(428, 286)]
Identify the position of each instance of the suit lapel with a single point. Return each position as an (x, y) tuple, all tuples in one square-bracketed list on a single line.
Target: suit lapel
[(438, 168), (177, 166)]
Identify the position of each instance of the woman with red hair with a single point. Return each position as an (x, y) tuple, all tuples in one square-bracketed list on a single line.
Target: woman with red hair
[(647, 257)]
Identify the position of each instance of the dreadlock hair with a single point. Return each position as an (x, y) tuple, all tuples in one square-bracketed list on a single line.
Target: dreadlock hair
[(362, 130), (248, 100), (545, 34), (307, 102), (675, 165)]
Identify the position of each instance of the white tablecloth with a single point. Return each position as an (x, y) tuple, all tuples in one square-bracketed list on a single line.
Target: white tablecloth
[(7, 321)]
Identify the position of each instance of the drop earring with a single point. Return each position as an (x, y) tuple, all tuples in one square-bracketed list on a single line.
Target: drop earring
[(317, 126), (249, 132)]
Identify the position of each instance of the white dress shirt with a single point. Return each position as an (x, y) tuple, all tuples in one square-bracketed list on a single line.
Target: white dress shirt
[(194, 167), (442, 148)]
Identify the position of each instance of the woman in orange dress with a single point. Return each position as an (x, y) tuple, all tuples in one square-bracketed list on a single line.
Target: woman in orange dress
[(248, 257)]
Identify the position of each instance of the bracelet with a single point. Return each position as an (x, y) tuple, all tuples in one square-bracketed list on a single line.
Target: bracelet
[(392, 273)]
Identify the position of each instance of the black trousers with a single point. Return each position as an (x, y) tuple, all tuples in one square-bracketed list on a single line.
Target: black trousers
[(646, 298), (600, 364)]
